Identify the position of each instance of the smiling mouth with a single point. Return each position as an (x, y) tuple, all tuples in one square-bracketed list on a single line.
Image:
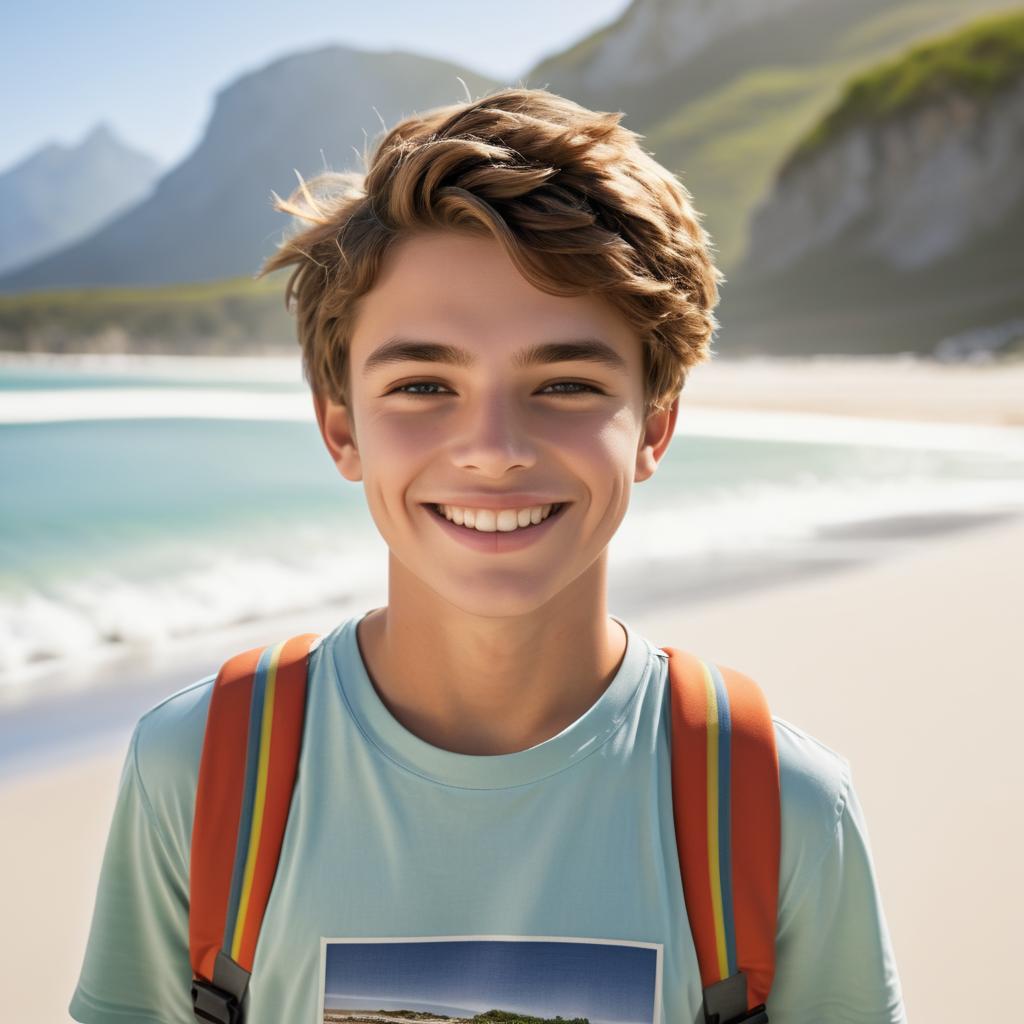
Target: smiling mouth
[(556, 510)]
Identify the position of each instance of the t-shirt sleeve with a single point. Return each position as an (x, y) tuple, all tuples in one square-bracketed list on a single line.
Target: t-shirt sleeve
[(136, 968), (834, 957)]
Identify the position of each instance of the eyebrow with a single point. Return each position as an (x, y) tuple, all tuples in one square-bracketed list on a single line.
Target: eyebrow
[(401, 350)]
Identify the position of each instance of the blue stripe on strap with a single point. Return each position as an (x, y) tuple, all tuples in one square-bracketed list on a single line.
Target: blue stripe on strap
[(725, 814), (252, 757)]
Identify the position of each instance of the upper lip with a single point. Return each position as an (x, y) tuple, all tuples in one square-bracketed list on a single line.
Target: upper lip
[(499, 501)]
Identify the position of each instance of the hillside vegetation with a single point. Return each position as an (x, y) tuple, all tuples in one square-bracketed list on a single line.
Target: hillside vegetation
[(978, 60), (216, 318), (743, 107), (847, 255)]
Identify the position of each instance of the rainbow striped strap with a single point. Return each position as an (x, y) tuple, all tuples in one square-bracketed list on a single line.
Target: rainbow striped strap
[(242, 800), (725, 798)]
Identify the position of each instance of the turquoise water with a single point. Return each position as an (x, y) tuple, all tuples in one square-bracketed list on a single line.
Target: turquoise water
[(127, 494), (38, 378), (123, 528)]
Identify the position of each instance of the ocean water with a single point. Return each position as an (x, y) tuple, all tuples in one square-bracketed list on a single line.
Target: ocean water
[(146, 501)]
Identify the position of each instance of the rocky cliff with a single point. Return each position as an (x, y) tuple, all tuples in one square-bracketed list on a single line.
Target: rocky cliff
[(907, 191), (898, 221)]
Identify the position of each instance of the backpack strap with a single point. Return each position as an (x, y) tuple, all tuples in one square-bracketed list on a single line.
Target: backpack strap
[(246, 776), (725, 798)]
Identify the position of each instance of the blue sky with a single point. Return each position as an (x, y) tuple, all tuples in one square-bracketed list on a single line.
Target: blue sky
[(151, 69)]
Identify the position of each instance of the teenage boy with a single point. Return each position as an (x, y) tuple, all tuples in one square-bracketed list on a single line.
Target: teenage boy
[(496, 322)]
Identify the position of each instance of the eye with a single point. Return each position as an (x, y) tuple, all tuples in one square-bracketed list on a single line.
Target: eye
[(575, 384), (401, 388)]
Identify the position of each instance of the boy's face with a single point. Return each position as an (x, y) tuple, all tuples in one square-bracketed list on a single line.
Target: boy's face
[(490, 427)]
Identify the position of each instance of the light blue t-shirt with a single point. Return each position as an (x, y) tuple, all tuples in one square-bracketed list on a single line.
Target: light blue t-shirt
[(540, 883)]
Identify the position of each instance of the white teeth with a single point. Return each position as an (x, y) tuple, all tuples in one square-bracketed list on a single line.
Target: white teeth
[(487, 520)]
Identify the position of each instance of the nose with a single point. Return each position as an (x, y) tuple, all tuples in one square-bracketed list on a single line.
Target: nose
[(494, 436)]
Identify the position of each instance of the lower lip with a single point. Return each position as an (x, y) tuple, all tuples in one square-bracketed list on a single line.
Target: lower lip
[(513, 540)]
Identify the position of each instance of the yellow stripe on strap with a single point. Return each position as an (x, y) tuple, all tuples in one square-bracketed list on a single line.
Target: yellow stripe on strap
[(714, 867), (266, 727)]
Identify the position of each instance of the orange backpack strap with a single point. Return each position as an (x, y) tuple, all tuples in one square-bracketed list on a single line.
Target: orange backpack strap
[(725, 798), (246, 776)]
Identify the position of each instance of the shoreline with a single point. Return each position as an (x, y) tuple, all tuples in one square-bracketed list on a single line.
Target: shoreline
[(867, 533), (83, 709)]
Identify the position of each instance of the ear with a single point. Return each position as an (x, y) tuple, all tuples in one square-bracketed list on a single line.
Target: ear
[(658, 431), (337, 430)]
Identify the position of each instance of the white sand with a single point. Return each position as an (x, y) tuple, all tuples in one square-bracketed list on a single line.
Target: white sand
[(897, 387)]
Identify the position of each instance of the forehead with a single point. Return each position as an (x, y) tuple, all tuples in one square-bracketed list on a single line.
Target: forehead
[(450, 286)]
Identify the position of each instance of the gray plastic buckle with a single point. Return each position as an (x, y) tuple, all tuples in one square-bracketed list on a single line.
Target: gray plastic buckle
[(214, 1005), (225, 999), (725, 1002)]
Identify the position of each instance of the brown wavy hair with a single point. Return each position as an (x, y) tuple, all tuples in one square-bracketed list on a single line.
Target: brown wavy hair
[(569, 193)]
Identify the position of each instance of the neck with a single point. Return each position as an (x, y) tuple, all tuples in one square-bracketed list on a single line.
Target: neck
[(476, 685)]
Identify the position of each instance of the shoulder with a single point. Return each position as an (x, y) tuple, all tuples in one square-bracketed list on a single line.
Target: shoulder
[(165, 750), (834, 956), (813, 777), (164, 756), (814, 789), (169, 736)]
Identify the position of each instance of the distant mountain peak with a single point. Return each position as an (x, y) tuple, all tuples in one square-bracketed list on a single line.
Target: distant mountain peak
[(211, 215), (61, 192), (101, 133)]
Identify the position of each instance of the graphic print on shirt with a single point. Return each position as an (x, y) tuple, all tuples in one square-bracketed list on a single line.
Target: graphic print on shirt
[(489, 979)]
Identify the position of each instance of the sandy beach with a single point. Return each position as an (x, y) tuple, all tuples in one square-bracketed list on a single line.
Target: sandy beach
[(907, 666), (899, 388)]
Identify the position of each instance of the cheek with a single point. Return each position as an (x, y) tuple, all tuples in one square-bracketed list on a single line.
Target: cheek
[(614, 444), (604, 463), (397, 440), (391, 458)]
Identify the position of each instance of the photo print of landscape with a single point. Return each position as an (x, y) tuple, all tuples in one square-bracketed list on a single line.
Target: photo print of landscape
[(490, 979)]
